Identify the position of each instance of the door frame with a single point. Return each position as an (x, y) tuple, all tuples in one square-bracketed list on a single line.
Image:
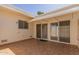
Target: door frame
[(41, 31), (58, 40)]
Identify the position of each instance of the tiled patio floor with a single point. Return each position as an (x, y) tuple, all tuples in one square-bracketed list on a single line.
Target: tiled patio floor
[(36, 47)]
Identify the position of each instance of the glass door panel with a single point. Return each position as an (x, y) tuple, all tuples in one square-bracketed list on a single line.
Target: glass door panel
[(44, 31), (64, 31), (38, 30), (54, 31)]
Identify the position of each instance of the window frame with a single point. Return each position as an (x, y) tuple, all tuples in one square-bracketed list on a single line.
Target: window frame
[(22, 24)]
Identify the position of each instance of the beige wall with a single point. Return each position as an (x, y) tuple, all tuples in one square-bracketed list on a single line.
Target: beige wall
[(9, 26), (73, 17)]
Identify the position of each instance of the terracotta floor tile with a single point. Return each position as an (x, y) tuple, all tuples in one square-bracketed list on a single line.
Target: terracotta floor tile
[(36, 47)]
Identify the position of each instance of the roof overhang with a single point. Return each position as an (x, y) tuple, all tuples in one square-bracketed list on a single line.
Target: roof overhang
[(65, 10), (11, 7)]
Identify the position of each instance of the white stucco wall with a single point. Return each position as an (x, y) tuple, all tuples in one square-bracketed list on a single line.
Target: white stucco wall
[(73, 17), (9, 26)]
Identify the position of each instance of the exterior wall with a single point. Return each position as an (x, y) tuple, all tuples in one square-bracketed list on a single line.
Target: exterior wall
[(9, 26), (73, 17)]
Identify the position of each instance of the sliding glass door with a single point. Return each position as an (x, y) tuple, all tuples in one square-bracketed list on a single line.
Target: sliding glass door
[(41, 31), (60, 31)]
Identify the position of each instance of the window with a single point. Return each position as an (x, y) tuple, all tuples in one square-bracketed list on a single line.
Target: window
[(25, 25), (22, 24)]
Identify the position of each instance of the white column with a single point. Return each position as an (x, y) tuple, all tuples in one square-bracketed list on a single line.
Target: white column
[(49, 31), (74, 30)]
